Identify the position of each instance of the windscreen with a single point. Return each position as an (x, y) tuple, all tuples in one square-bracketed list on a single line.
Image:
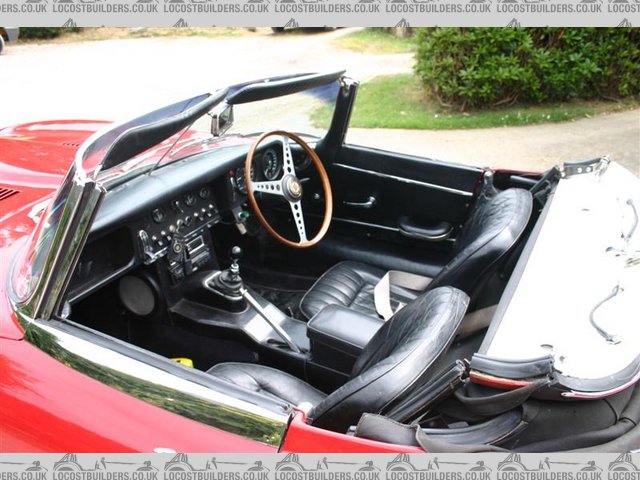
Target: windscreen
[(308, 112)]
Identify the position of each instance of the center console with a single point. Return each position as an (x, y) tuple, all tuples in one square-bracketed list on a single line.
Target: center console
[(322, 351), (218, 304), (338, 335)]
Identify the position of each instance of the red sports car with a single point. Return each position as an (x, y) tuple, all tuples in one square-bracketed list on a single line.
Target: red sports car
[(245, 288)]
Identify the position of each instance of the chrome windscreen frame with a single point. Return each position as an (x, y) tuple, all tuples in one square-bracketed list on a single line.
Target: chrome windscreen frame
[(141, 374)]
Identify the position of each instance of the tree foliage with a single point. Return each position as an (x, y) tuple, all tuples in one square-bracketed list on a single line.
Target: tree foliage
[(480, 67)]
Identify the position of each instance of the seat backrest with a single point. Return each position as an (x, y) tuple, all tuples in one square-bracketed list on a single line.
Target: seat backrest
[(490, 233), (398, 359)]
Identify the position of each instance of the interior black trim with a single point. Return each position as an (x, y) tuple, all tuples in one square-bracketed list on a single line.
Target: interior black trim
[(137, 139), (534, 367), (270, 88), (142, 193)]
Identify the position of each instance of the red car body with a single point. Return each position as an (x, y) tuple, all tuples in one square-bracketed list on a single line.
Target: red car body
[(66, 386), (38, 412)]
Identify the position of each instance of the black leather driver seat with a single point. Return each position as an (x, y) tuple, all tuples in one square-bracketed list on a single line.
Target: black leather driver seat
[(490, 233), (398, 359)]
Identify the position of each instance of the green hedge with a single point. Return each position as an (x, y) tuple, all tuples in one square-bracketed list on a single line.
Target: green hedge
[(43, 33), (479, 67)]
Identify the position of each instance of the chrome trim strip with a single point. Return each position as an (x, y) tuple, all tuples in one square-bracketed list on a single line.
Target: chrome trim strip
[(606, 393), (68, 240), (158, 387), (405, 180), (365, 224)]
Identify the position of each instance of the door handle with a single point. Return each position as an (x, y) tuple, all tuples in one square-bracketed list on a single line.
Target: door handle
[(370, 203)]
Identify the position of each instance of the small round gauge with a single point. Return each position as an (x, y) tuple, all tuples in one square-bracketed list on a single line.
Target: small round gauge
[(190, 199), (241, 183), (204, 192), (271, 165), (158, 215), (301, 162)]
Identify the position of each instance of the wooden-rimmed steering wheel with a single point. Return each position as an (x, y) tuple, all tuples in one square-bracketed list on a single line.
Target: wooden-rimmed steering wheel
[(290, 188)]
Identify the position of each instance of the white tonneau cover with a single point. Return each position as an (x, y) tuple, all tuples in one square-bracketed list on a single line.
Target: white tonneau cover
[(585, 251)]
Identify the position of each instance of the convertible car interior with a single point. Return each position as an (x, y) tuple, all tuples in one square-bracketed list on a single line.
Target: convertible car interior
[(369, 289)]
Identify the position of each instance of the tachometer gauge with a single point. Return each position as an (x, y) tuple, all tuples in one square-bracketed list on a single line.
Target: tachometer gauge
[(271, 165), (190, 199)]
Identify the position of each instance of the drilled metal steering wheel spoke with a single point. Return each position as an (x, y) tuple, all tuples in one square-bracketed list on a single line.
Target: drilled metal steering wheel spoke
[(287, 158), (274, 188), (298, 218)]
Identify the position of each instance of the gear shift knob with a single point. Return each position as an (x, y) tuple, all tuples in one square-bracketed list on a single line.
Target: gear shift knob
[(235, 254)]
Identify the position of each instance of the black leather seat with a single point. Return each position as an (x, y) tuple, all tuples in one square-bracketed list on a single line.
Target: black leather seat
[(489, 234), (398, 359)]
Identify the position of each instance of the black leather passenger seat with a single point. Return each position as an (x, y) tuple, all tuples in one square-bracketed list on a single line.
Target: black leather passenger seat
[(401, 356)]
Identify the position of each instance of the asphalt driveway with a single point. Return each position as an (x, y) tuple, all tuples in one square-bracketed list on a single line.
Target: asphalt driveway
[(116, 79)]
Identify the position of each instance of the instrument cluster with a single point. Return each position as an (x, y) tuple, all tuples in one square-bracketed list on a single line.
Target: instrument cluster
[(268, 166), (182, 216)]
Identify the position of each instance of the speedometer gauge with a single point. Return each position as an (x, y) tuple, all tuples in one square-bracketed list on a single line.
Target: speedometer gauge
[(271, 165)]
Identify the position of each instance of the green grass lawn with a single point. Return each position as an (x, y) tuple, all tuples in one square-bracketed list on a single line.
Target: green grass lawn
[(375, 41), (399, 101)]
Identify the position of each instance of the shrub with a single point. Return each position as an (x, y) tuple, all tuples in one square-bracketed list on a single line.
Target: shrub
[(44, 33), (479, 67)]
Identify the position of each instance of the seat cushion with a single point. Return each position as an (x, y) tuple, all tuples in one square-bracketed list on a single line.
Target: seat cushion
[(268, 381), (350, 284)]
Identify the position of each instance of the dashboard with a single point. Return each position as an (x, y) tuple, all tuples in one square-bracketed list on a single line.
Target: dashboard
[(166, 216)]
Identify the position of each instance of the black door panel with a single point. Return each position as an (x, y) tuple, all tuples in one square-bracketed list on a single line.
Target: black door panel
[(425, 204), (384, 189), (444, 174)]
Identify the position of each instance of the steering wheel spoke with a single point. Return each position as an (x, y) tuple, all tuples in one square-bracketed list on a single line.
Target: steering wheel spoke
[(287, 157), (274, 188), (298, 218)]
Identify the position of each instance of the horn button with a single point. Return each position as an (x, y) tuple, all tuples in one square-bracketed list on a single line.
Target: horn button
[(292, 188)]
